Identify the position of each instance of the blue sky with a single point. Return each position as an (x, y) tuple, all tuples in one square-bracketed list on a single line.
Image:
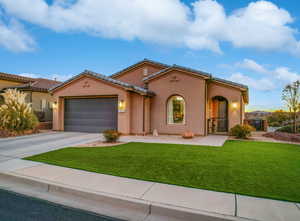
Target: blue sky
[(251, 42)]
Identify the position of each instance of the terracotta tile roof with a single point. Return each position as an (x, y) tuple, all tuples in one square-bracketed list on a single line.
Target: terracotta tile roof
[(139, 63), (45, 83), (230, 82), (33, 84), (14, 77), (174, 67), (125, 85)]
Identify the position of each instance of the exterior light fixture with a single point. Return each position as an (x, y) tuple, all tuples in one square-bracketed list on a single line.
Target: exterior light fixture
[(122, 106), (234, 105), (54, 105)]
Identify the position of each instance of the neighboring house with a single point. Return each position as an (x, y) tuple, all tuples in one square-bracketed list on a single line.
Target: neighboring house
[(146, 96), (36, 90)]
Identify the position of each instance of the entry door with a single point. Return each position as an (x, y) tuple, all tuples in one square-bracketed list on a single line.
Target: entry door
[(222, 116), (91, 114)]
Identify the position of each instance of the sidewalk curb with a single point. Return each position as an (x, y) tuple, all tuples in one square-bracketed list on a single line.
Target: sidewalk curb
[(103, 203)]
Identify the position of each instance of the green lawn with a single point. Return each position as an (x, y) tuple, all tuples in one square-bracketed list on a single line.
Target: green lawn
[(270, 170)]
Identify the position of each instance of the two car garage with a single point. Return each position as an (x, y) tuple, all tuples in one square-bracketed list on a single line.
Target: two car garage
[(93, 115)]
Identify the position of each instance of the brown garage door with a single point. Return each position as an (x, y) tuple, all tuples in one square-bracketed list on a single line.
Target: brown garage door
[(91, 114)]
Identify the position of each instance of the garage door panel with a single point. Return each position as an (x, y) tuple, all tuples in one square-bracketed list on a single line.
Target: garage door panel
[(89, 122), (91, 115)]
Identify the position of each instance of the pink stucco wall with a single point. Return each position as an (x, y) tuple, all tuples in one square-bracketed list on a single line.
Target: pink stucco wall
[(136, 75), (192, 89), (136, 123)]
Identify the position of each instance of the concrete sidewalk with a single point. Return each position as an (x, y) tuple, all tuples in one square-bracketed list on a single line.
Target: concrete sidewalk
[(142, 200)]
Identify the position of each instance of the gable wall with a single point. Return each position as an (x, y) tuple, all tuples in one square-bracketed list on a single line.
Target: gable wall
[(136, 75)]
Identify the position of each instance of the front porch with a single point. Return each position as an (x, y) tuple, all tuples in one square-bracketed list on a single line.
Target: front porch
[(218, 122)]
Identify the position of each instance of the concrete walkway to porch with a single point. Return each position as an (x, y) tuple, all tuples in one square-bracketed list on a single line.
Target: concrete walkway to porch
[(210, 140), (132, 199)]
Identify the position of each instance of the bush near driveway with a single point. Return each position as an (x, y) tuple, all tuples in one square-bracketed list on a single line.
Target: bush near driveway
[(259, 169), (111, 136)]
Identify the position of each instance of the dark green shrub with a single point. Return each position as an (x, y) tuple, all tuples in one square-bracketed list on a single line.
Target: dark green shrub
[(275, 124), (241, 131), (111, 136)]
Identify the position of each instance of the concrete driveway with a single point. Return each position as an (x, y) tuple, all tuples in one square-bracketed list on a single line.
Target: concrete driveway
[(19, 147)]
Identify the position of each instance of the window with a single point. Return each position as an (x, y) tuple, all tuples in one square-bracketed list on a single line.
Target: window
[(43, 104), (176, 110)]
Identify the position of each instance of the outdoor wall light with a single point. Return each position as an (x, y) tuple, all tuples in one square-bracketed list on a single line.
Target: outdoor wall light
[(122, 106), (54, 105), (234, 105)]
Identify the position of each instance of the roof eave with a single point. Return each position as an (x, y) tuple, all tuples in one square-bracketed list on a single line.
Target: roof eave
[(179, 68), (103, 78)]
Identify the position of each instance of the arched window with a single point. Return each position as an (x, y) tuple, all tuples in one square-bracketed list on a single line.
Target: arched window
[(176, 110)]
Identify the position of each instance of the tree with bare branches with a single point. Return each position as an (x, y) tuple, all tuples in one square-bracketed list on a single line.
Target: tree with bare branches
[(291, 97)]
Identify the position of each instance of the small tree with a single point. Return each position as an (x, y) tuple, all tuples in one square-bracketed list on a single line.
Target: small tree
[(278, 118), (16, 115), (291, 95)]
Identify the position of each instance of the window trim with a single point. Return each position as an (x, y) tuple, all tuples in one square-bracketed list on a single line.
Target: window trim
[(167, 110)]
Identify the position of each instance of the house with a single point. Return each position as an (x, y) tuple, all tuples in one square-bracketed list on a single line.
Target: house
[(36, 90), (146, 96)]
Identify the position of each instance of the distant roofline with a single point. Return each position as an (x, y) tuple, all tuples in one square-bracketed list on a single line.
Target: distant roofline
[(15, 77)]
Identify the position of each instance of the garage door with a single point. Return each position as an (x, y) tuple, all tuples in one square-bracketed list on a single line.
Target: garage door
[(91, 115)]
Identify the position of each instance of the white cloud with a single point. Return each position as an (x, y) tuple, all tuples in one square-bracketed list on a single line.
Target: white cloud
[(13, 37), (283, 74), (204, 25), (262, 25), (252, 65), (61, 77), (30, 75), (57, 77), (262, 84)]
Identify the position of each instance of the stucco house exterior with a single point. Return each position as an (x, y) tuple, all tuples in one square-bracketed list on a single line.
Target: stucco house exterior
[(149, 96), (36, 90)]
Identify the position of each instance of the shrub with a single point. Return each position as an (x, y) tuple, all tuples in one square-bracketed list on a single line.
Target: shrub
[(16, 115), (274, 124), (111, 136), (241, 131)]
